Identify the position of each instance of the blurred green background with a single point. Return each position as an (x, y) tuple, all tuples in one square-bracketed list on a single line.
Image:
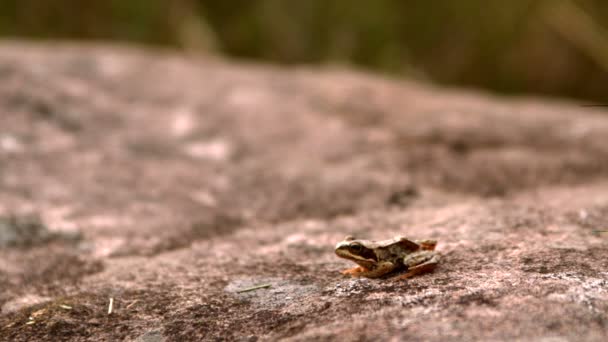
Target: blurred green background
[(549, 47)]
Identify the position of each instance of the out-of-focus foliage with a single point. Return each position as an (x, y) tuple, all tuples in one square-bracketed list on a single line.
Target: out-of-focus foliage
[(557, 47)]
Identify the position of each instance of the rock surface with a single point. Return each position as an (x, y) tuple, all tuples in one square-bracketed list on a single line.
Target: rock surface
[(189, 180)]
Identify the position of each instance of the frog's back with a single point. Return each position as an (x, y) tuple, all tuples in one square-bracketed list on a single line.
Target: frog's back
[(406, 244), (396, 249)]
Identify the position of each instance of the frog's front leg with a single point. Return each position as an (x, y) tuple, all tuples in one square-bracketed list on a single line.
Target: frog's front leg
[(419, 262), (355, 271), (381, 269)]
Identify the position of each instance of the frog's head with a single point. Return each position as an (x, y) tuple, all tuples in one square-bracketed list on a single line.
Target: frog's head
[(358, 251)]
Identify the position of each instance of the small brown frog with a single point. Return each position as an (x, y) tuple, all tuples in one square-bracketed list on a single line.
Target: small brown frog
[(378, 258)]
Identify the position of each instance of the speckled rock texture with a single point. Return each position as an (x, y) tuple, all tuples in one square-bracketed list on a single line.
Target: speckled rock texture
[(171, 183)]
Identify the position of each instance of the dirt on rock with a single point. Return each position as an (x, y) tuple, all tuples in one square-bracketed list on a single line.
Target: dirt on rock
[(168, 184)]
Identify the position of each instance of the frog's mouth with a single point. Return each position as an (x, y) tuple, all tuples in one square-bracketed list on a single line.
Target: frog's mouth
[(368, 255), (366, 258)]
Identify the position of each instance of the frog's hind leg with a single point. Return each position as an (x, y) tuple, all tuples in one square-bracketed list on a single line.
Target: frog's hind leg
[(427, 245), (420, 263)]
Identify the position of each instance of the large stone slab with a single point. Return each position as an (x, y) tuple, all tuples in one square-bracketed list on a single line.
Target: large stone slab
[(187, 180)]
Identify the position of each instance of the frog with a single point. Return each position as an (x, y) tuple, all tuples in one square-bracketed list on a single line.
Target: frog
[(377, 259)]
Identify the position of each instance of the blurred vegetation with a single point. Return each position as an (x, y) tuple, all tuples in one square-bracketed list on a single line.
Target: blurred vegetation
[(555, 47)]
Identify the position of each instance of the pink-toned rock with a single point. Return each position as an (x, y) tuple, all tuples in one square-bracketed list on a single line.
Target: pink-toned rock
[(193, 180)]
